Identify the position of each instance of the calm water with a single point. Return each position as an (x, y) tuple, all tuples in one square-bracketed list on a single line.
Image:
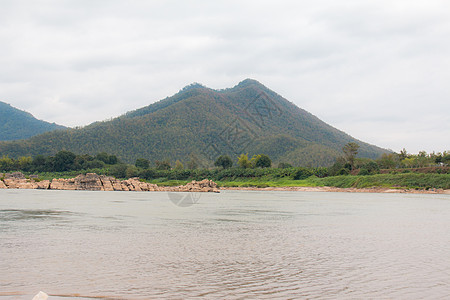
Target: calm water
[(234, 245)]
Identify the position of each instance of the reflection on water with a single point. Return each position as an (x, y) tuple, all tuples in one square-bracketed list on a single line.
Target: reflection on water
[(131, 245), (27, 214)]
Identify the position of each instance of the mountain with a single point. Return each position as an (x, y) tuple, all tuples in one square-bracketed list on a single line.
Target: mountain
[(16, 124), (202, 123)]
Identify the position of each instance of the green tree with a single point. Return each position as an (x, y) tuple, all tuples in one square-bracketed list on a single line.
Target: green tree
[(284, 165), (6, 163), (131, 171), (163, 165), (263, 161), (142, 163), (224, 161), (243, 161), (64, 161), (94, 164), (301, 173), (81, 161), (350, 152), (103, 156), (24, 163), (193, 163), (389, 161), (112, 160), (372, 167), (118, 171), (403, 154), (446, 158), (336, 168), (179, 165), (39, 163)]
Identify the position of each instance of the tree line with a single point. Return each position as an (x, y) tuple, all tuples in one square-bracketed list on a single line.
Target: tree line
[(60, 162), (225, 167)]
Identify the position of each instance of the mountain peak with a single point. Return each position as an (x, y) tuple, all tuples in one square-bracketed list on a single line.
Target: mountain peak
[(204, 123), (194, 85), (248, 82)]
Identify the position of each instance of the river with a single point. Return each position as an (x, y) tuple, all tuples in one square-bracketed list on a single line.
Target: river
[(233, 245)]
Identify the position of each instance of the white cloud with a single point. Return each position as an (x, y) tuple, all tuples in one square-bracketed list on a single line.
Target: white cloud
[(378, 70)]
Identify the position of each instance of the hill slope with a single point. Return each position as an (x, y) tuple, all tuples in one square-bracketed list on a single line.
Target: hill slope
[(16, 124), (204, 123)]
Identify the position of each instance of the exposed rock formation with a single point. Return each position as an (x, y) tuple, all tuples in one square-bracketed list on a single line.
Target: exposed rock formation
[(196, 186), (14, 183), (17, 180), (43, 185), (94, 182)]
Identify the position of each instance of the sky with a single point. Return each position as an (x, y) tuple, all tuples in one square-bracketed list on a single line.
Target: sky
[(378, 70)]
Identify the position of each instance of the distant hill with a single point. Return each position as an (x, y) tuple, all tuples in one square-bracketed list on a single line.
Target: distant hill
[(203, 123), (16, 124)]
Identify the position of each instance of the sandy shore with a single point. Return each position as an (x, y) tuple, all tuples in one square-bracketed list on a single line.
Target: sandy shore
[(335, 189)]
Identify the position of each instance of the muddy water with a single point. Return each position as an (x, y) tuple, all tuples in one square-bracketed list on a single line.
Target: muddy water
[(234, 245)]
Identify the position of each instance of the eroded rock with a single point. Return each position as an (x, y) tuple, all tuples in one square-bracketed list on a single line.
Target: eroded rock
[(88, 182), (43, 185), (63, 184), (201, 186), (94, 182)]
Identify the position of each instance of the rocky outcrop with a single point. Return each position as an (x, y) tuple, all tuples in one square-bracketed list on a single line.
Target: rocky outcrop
[(14, 183), (94, 182), (17, 175), (62, 184), (108, 184), (196, 186), (43, 185), (17, 180), (88, 182)]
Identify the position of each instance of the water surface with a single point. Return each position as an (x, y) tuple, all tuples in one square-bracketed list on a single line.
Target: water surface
[(234, 245)]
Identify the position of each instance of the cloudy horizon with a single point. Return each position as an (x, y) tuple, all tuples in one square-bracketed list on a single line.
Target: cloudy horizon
[(377, 70)]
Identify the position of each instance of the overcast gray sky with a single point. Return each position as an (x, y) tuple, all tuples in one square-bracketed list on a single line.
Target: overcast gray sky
[(378, 70)]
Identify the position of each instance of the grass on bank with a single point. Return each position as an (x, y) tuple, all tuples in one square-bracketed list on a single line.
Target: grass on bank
[(409, 181)]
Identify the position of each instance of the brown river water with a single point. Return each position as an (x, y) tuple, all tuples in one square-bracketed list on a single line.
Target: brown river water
[(232, 245)]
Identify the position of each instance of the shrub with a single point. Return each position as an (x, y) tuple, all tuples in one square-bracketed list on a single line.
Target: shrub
[(343, 171), (283, 165), (131, 171), (94, 164), (118, 171), (301, 173), (142, 163), (363, 171)]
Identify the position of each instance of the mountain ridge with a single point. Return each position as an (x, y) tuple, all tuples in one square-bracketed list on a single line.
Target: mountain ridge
[(201, 123), (16, 124)]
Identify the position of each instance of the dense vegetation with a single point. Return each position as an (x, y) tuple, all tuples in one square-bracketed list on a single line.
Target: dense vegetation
[(391, 170), (17, 124), (201, 124)]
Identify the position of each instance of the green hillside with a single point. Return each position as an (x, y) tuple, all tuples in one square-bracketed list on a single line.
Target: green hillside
[(204, 123), (16, 124)]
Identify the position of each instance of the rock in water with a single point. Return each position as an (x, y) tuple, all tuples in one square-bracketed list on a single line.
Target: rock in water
[(40, 296)]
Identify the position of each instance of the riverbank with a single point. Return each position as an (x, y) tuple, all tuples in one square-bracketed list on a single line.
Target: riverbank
[(336, 189), (380, 183)]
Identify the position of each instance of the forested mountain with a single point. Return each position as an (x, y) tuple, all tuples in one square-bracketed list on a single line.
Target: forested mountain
[(201, 123), (16, 124)]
